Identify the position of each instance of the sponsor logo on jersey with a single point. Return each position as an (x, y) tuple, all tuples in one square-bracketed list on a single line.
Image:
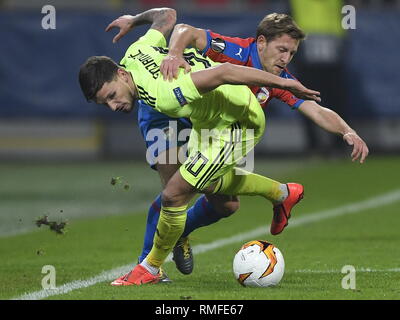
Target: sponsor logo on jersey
[(239, 53), (179, 96), (218, 45), (262, 95)]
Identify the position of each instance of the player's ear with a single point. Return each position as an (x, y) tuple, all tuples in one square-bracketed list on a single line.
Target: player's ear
[(123, 74), (261, 43)]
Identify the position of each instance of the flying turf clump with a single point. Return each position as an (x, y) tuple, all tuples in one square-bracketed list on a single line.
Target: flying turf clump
[(118, 180), (115, 180), (43, 220), (57, 227)]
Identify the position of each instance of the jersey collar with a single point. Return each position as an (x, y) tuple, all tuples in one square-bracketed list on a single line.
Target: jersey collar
[(254, 56)]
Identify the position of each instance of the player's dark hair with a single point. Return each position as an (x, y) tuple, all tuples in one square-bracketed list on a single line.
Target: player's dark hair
[(96, 71), (275, 25)]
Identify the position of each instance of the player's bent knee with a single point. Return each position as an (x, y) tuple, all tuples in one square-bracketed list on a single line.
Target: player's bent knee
[(166, 171), (177, 192), (168, 199), (224, 205), (228, 208)]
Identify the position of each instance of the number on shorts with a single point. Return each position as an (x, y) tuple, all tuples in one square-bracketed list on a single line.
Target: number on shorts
[(198, 166)]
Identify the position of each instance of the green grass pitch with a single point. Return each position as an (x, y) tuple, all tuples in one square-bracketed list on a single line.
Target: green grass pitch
[(106, 226)]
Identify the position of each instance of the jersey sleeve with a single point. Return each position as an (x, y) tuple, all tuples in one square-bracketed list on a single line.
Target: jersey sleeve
[(221, 48), (285, 95), (173, 96), (152, 37)]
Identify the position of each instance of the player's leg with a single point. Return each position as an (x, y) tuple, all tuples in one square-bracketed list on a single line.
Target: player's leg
[(176, 195), (161, 134), (236, 141), (205, 211), (208, 209), (240, 182), (282, 196), (175, 198), (165, 172), (235, 181), (246, 134)]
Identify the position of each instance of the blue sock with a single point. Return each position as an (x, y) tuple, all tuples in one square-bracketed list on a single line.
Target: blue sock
[(199, 215), (152, 220)]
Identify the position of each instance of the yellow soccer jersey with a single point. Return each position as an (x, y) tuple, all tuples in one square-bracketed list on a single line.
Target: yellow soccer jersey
[(228, 109), (143, 59), (180, 98)]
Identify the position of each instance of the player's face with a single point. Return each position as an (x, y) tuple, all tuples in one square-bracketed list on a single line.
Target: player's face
[(117, 94), (276, 54)]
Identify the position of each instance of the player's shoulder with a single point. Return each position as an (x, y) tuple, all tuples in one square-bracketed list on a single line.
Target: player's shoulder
[(146, 45), (152, 37), (223, 48), (226, 44), (243, 42)]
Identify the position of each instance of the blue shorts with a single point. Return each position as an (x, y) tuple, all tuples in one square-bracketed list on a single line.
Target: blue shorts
[(160, 132)]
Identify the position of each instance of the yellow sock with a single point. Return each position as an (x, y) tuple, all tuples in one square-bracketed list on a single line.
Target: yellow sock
[(169, 228), (240, 182)]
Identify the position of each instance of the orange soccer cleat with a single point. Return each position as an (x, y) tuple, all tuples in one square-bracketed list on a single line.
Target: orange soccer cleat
[(138, 276), (282, 210)]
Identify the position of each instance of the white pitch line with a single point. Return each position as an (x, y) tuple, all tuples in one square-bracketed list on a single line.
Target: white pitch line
[(339, 271), (378, 201)]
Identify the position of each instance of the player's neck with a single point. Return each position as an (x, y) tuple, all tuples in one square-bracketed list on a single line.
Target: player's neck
[(132, 86)]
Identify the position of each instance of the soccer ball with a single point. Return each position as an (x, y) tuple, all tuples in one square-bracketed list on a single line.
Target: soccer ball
[(258, 263)]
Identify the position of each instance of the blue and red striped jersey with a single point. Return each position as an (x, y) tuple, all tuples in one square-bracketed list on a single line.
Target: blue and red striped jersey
[(244, 52)]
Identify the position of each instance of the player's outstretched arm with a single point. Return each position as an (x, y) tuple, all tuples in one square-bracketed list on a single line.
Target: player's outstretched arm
[(161, 19), (226, 73), (182, 37), (330, 121)]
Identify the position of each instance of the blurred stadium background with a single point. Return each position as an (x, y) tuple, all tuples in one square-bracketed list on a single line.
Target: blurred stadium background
[(45, 119)]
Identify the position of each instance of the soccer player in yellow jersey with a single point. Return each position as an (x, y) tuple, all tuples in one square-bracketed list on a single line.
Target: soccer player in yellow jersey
[(277, 41), (208, 98)]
